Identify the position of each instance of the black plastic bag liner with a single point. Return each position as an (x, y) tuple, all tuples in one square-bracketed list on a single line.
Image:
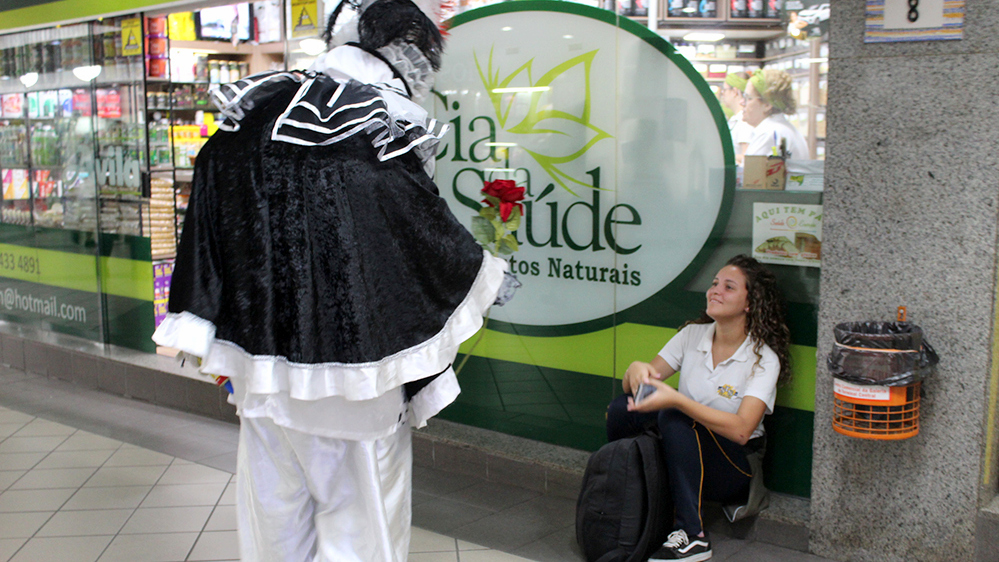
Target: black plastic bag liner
[(881, 353)]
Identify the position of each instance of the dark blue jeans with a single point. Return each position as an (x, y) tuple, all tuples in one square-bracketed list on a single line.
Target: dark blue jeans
[(702, 466)]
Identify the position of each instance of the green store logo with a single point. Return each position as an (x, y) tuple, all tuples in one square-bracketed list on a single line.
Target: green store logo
[(618, 148)]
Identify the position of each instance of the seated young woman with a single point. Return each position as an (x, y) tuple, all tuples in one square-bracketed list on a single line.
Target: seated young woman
[(730, 361)]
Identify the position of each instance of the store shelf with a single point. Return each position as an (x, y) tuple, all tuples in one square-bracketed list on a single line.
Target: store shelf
[(226, 48)]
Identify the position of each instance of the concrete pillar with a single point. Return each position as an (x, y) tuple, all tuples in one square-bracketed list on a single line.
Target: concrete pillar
[(911, 210)]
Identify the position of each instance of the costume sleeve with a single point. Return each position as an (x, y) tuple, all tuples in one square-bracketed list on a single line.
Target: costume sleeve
[(762, 383), (673, 351)]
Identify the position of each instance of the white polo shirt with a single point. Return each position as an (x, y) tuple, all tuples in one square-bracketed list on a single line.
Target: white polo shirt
[(724, 386)]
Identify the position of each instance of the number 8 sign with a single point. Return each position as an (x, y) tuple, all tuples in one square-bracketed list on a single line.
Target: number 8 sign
[(913, 14)]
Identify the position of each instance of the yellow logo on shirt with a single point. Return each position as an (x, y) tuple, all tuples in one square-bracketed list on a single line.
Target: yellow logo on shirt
[(727, 391)]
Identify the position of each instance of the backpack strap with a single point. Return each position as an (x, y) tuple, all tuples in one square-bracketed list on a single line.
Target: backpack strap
[(650, 447)]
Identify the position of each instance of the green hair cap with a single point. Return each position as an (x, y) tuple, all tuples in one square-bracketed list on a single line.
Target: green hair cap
[(760, 85), (736, 82)]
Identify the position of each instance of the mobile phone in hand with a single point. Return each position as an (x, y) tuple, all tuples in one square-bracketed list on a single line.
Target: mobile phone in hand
[(644, 390)]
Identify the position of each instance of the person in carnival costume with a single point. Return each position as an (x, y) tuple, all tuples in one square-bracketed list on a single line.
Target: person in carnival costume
[(320, 271)]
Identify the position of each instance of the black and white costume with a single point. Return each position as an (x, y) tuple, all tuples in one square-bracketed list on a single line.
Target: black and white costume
[(320, 271)]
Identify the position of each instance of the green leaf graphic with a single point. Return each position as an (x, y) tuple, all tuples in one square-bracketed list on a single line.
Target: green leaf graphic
[(542, 118)]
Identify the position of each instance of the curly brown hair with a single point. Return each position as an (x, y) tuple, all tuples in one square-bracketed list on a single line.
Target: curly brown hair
[(765, 319)]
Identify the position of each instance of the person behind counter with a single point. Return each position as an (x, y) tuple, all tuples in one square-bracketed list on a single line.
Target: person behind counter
[(730, 361), (731, 97), (767, 99)]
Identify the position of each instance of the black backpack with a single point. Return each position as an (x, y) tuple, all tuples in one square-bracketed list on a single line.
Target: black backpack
[(624, 511)]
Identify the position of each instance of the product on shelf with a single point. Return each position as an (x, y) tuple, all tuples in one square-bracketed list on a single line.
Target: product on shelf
[(162, 232), (162, 273), (15, 215), (187, 142), (80, 214), (15, 184), (50, 216), (740, 9)]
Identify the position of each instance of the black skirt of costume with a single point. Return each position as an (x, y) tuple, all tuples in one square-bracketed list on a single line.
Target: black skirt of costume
[(302, 255)]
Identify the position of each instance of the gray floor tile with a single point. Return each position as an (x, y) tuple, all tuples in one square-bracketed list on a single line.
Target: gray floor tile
[(8, 477), (8, 429), (490, 556), (493, 496), (15, 444), (440, 483), (61, 549), (117, 497), (20, 461), (179, 495), (85, 523), (443, 516), (163, 547), (22, 525), (126, 476), (42, 479), (13, 501), (86, 441), (216, 545), (193, 474), (9, 546), (434, 557), (223, 518), (559, 546), (422, 540), (229, 495), (75, 459), (13, 416), (167, 520), (138, 457), (522, 524), (40, 428)]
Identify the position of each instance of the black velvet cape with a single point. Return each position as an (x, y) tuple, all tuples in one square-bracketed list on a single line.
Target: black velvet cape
[(317, 254)]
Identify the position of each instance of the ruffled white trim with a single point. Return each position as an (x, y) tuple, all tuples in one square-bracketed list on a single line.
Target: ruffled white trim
[(354, 381), (433, 398), (186, 332)]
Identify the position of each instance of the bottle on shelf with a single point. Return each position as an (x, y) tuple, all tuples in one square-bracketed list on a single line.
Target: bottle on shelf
[(740, 8), (757, 9)]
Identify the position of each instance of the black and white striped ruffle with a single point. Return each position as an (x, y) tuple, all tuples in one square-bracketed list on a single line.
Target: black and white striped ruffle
[(324, 112)]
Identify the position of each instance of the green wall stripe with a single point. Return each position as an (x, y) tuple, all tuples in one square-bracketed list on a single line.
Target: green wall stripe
[(608, 353), (69, 10), (122, 277), (127, 278)]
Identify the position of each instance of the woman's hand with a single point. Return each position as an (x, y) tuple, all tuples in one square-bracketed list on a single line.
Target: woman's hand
[(664, 397), (636, 373)]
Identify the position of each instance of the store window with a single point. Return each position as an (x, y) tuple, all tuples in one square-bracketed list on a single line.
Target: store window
[(101, 123)]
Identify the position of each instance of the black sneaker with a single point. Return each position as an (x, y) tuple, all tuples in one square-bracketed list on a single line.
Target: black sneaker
[(679, 547)]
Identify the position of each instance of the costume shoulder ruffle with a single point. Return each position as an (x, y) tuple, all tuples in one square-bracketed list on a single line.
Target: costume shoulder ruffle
[(325, 111)]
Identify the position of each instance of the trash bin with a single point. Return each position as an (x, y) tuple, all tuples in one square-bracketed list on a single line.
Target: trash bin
[(877, 369)]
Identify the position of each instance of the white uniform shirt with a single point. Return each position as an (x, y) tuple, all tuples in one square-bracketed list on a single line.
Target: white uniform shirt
[(768, 134), (722, 387), (742, 132)]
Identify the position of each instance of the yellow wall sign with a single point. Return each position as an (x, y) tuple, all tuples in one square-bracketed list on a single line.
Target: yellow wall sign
[(131, 37), (305, 18)]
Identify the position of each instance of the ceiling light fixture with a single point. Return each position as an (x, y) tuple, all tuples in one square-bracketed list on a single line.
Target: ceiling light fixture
[(703, 36)]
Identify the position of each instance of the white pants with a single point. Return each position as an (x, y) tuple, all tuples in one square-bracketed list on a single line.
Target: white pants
[(304, 498)]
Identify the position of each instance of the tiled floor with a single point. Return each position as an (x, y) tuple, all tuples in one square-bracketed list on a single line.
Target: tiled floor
[(87, 476), (70, 495)]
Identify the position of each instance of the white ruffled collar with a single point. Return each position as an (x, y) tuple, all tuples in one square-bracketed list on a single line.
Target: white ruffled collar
[(352, 63)]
